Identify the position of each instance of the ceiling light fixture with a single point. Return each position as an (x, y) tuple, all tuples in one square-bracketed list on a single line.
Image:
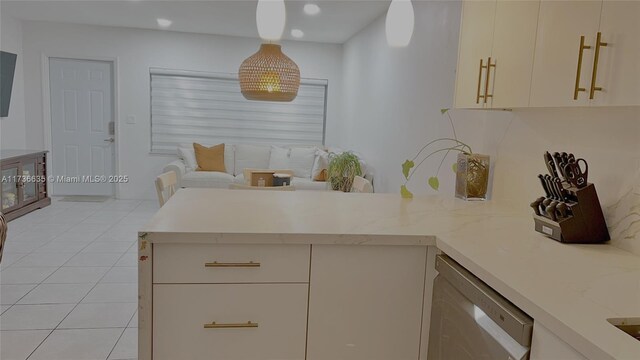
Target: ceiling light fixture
[(399, 23), (311, 9), (269, 75), (271, 16), (297, 33), (164, 23)]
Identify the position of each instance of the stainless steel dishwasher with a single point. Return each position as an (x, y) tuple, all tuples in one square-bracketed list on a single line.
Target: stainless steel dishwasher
[(469, 320)]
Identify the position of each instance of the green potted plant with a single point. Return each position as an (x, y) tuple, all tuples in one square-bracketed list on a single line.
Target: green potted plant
[(342, 169), (472, 170)]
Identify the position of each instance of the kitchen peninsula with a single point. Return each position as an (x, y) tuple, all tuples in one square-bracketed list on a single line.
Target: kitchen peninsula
[(329, 275)]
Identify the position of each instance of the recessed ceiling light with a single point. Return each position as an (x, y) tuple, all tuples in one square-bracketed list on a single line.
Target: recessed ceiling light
[(297, 33), (311, 9), (164, 23)]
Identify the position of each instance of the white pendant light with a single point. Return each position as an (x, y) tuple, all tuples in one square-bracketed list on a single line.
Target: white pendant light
[(271, 17), (399, 23)]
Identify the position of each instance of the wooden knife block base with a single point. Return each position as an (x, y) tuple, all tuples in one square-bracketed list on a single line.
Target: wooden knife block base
[(585, 226)]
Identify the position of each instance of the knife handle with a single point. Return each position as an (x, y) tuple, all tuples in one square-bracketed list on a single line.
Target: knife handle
[(551, 166), (557, 183), (544, 185), (551, 210), (562, 209), (536, 205)]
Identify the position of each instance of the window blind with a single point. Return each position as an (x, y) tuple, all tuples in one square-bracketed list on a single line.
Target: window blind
[(208, 108)]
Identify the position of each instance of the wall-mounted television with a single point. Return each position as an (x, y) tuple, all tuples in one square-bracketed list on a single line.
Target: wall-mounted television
[(7, 69)]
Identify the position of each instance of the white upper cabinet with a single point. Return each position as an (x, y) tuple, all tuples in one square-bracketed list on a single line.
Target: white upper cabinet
[(497, 40), (548, 53), (476, 36), (514, 42), (618, 71), (563, 60)]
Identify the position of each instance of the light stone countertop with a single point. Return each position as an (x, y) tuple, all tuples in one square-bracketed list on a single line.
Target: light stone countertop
[(570, 289)]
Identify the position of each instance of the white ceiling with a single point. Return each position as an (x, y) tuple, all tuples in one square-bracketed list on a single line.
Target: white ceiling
[(336, 23)]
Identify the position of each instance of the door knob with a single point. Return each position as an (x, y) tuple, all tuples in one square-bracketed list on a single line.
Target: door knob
[(110, 140)]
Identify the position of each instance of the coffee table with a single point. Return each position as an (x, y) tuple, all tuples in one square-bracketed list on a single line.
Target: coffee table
[(272, 188)]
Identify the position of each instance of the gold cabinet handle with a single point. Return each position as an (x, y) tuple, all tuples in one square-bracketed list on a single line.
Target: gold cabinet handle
[(216, 264), (577, 88), (486, 84), (246, 325), (478, 96), (596, 57)]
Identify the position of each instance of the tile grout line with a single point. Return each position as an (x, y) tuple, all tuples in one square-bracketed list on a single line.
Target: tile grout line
[(120, 222), (76, 305)]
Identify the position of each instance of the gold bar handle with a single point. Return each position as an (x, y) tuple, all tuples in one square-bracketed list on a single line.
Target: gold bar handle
[(486, 84), (577, 88), (246, 325), (216, 264), (596, 57), (478, 96)]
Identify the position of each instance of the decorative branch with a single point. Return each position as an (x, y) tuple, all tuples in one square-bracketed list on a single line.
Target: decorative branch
[(409, 168)]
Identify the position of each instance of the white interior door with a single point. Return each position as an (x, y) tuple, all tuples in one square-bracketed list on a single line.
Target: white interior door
[(82, 148)]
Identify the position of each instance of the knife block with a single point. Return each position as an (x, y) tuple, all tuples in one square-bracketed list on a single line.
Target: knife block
[(586, 225)]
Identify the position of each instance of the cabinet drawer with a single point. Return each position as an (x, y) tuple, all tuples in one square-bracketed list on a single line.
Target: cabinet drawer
[(203, 263), (180, 313)]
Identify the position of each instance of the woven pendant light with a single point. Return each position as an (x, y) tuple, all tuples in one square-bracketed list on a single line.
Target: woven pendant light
[(269, 75)]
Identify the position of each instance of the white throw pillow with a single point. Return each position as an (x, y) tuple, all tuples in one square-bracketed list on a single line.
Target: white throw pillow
[(301, 161), (279, 159), (251, 157), (188, 155), (321, 163)]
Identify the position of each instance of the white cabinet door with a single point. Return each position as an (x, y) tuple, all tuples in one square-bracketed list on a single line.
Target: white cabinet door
[(619, 62), (183, 317), (546, 346), (365, 302), (560, 26), (476, 35), (514, 42)]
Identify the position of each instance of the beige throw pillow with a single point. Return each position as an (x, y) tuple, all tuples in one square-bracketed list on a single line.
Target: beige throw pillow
[(209, 158)]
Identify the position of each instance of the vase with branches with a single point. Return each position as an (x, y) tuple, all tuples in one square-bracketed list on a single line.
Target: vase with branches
[(471, 169)]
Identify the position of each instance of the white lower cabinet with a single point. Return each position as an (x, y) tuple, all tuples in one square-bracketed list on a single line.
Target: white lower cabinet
[(366, 302), (213, 264), (350, 303), (547, 346), (183, 317)]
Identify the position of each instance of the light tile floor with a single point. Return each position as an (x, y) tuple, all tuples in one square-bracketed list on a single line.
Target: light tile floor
[(68, 282)]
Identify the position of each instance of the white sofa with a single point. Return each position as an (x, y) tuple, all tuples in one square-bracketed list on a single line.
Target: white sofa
[(240, 157)]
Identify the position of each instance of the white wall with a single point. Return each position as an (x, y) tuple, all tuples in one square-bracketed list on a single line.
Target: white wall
[(12, 128), (393, 96), (138, 50)]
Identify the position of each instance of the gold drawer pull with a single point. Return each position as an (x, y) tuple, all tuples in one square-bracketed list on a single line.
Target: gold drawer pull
[(248, 324), (478, 96), (486, 84), (216, 264), (577, 88), (596, 57)]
